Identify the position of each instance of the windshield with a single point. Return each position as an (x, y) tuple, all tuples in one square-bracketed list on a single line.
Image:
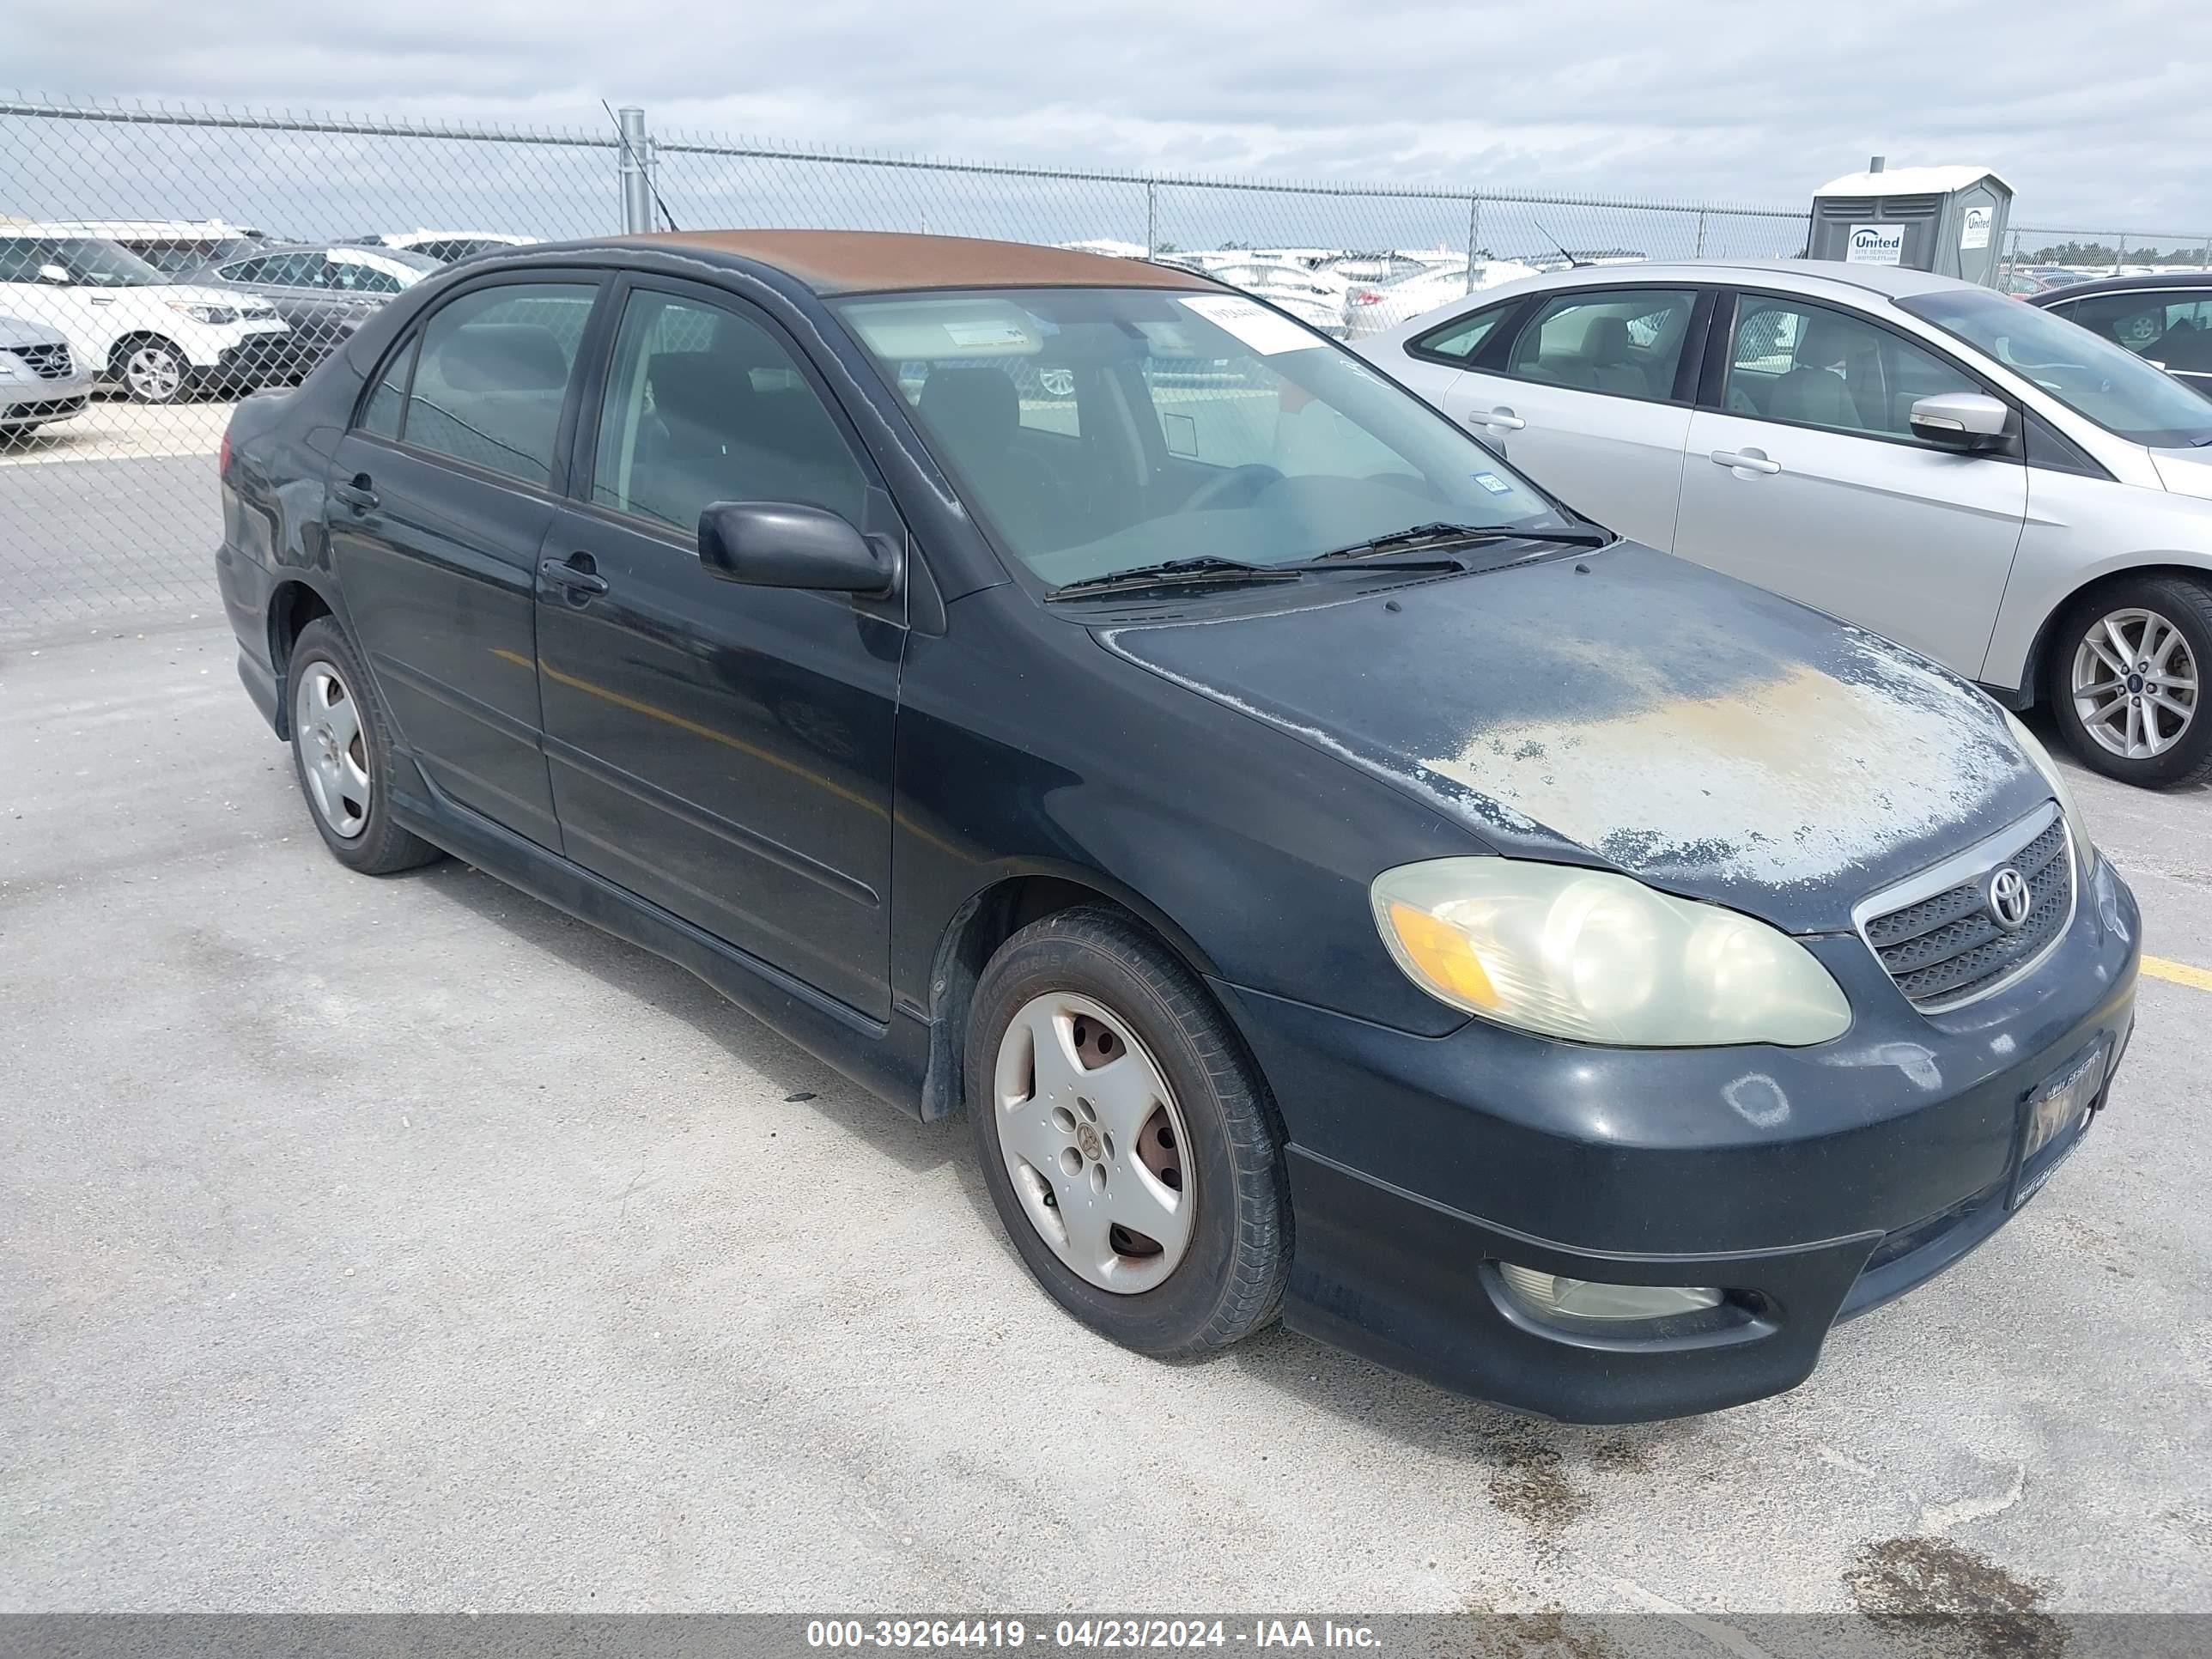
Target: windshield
[(101, 265), (1096, 431), (2093, 377)]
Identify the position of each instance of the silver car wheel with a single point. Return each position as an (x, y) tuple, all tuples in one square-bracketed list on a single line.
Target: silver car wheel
[(333, 749), (1094, 1143), (2136, 683), (153, 375)]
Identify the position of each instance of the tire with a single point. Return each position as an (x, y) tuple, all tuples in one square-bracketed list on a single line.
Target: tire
[(151, 371), (342, 749), (1223, 1160), (2178, 749)]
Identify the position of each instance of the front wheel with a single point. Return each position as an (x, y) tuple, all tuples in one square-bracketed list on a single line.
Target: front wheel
[(153, 372), (2128, 681), (1130, 1147)]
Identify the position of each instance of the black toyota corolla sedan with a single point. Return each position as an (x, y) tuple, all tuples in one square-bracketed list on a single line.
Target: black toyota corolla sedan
[(1336, 879)]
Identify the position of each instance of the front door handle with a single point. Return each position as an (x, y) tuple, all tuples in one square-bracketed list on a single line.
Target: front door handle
[(1503, 419), (355, 493), (1746, 461), (578, 573)]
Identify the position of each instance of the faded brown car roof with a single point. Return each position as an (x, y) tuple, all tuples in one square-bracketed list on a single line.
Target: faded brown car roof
[(865, 261)]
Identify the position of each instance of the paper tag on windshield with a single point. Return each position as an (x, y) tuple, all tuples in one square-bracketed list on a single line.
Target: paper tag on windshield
[(1265, 331), (987, 334)]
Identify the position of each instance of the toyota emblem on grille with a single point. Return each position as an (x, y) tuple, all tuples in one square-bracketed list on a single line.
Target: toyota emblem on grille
[(2008, 899)]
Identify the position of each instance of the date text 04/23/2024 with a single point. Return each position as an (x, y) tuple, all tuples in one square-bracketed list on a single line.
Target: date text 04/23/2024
[(1109, 1633)]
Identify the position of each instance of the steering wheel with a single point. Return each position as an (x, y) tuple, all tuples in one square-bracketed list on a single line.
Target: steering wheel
[(1251, 478)]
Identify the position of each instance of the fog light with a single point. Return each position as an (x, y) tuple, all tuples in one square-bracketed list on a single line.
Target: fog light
[(1587, 1298)]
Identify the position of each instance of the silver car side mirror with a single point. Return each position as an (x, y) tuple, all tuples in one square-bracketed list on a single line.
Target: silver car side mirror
[(1961, 420)]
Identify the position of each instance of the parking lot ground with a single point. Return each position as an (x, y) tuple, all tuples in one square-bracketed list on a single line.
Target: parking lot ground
[(403, 1244)]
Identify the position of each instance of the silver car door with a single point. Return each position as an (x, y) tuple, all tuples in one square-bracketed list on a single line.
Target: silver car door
[(1808, 481), (1592, 402)]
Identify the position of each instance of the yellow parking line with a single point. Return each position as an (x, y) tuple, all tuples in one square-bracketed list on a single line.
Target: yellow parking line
[(2181, 973)]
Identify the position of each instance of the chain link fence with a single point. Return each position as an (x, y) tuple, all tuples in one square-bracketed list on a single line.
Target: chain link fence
[(158, 262)]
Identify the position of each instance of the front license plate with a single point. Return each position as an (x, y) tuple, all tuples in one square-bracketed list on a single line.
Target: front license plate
[(2057, 1113)]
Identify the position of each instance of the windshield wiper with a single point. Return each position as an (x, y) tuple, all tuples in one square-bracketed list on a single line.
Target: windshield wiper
[(1210, 569), (1466, 535)]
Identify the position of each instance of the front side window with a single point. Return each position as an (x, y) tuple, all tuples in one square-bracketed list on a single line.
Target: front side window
[(1207, 425), (1627, 342), (20, 258), (1461, 337), (2096, 378), (704, 404), (494, 375), (97, 263), (1813, 365)]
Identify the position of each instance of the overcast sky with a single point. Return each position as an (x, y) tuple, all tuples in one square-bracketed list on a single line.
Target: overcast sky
[(2099, 115)]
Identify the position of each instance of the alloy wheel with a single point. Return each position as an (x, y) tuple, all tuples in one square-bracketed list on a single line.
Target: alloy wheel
[(152, 374), (333, 749), (2136, 683), (1094, 1143)]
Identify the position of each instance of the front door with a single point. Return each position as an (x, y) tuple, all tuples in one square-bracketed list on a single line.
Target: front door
[(722, 750), (1807, 480), (439, 497), (1593, 402)]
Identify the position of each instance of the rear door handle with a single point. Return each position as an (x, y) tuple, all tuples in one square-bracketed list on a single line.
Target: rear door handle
[(1750, 459), (578, 573), (355, 493), (1503, 419)]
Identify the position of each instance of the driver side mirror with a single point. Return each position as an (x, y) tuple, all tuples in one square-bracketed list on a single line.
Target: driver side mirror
[(785, 544), (1965, 421), (57, 275)]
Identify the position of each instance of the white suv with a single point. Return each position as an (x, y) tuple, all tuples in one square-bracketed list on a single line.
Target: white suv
[(2012, 495), (123, 320)]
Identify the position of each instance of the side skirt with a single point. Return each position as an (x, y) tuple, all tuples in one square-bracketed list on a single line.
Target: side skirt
[(888, 1061)]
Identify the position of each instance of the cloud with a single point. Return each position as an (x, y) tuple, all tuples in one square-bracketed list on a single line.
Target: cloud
[(2100, 119)]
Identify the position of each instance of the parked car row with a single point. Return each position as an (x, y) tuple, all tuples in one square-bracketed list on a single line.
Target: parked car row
[(1337, 875), (164, 308), (2024, 501)]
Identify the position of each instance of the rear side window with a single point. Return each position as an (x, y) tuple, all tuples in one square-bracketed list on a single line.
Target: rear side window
[(493, 374), (1627, 342), (1461, 337), (380, 415)]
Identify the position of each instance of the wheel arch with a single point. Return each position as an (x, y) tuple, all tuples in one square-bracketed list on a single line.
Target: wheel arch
[(2035, 672), (292, 605), (988, 918), (132, 338)]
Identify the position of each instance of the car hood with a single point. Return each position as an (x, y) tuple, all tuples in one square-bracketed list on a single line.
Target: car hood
[(1630, 709), (15, 332), (2185, 472)]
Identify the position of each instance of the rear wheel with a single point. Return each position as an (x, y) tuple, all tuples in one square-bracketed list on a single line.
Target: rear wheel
[(1129, 1146), (2127, 678), (342, 749)]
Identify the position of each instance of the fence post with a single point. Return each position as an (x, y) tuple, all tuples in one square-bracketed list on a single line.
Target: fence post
[(637, 184), (2120, 254), (1474, 236), (2204, 258), (1152, 219), (1701, 234)]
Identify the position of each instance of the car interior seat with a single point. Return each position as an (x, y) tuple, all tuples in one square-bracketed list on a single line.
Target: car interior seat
[(975, 412), (1609, 354), (1813, 392)]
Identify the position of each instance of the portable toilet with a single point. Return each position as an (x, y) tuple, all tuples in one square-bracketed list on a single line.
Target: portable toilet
[(1948, 220)]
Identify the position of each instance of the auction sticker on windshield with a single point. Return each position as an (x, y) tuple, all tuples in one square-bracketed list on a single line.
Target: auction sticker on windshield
[(1262, 330)]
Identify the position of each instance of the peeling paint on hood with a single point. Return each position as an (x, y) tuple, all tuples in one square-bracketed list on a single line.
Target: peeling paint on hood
[(1635, 710)]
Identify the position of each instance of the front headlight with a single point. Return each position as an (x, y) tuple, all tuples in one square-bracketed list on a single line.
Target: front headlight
[(1597, 958), (200, 312), (2032, 748)]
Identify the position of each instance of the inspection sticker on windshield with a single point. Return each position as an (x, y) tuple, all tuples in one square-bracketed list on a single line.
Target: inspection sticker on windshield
[(987, 334), (1265, 331), (1493, 484)]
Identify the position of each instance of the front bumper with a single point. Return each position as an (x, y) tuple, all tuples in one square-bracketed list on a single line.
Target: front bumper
[(23, 401), (1811, 1184)]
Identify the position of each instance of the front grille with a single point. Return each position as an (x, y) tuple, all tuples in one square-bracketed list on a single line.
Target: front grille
[(48, 363), (1944, 948)]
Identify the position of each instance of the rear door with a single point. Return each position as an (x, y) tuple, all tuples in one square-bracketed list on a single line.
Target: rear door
[(1591, 399), (722, 750), (440, 497), (1804, 476)]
